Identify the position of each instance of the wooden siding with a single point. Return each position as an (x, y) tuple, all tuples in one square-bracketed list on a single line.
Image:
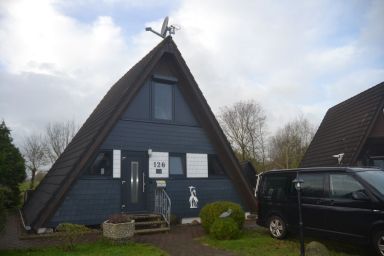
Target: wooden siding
[(161, 137), (89, 202), (139, 108)]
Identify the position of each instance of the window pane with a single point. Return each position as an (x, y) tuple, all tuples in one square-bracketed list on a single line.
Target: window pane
[(342, 185), (375, 178), (102, 165), (313, 185), (163, 101), (134, 181), (278, 187), (378, 163), (176, 165)]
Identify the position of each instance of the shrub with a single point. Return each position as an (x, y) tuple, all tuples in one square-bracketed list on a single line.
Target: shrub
[(71, 233), (210, 212), (12, 168), (119, 218), (316, 249), (224, 229), (3, 212)]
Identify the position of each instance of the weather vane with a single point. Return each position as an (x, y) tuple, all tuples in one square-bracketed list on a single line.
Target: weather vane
[(165, 29)]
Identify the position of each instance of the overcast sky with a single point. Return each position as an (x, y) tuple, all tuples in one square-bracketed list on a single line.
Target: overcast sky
[(59, 58)]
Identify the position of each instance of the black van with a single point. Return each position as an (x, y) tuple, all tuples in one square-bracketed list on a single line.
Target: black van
[(338, 202)]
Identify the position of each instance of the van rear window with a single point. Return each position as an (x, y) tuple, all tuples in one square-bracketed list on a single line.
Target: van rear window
[(277, 187)]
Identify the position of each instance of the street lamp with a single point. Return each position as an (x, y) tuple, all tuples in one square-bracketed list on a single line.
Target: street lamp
[(298, 183)]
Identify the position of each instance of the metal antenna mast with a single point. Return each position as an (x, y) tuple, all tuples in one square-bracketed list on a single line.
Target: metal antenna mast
[(164, 29)]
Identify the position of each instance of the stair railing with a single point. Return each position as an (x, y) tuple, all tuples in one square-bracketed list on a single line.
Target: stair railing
[(163, 204)]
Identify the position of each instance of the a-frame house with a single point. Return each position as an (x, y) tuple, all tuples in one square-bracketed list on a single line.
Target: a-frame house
[(152, 129), (353, 130)]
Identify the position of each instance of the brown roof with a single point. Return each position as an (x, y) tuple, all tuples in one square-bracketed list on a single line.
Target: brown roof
[(344, 129), (51, 191)]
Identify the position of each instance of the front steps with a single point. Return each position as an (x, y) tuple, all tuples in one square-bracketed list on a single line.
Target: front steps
[(149, 223)]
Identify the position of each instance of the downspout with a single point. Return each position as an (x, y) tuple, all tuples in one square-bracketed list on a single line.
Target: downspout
[(28, 228)]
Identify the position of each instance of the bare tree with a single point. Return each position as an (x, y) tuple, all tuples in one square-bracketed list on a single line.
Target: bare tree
[(288, 145), (34, 155), (244, 125), (58, 136)]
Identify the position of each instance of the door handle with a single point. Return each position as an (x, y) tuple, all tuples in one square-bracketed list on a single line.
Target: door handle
[(123, 181), (143, 182)]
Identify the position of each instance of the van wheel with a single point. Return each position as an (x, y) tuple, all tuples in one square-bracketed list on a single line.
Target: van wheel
[(277, 227), (378, 243)]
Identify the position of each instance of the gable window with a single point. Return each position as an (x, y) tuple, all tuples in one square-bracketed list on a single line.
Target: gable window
[(102, 165), (162, 99), (176, 164)]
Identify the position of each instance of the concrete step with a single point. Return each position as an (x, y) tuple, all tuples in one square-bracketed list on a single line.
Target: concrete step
[(144, 216), (147, 223), (151, 230)]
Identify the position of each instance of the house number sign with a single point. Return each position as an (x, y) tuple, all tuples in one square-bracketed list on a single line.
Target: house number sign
[(159, 164)]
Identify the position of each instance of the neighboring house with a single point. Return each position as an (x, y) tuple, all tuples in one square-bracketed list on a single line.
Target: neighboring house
[(152, 129), (352, 132), (250, 174)]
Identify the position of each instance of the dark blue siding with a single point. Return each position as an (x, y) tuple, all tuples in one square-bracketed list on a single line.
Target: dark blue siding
[(208, 190), (89, 202), (183, 113), (139, 108), (140, 136)]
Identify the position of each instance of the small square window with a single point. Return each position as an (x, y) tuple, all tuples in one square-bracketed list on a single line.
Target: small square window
[(102, 165), (176, 165)]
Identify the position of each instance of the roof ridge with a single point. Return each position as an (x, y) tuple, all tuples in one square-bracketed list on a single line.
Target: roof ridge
[(375, 87)]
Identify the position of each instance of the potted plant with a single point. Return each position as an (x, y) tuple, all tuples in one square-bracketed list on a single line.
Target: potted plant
[(119, 226)]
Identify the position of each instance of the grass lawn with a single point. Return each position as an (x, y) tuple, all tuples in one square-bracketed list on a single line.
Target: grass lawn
[(259, 242), (97, 249)]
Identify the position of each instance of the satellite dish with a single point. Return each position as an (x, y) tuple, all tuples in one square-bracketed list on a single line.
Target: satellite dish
[(164, 28)]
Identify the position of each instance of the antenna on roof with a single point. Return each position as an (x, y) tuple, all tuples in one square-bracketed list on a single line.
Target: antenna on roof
[(164, 29), (339, 157)]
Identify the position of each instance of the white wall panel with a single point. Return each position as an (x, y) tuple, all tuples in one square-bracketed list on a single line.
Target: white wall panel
[(197, 165), (116, 163), (158, 165)]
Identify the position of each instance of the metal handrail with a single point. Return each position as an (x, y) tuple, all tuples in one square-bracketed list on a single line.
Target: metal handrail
[(163, 204)]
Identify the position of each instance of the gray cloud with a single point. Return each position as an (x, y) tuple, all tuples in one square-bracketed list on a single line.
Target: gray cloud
[(292, 57)]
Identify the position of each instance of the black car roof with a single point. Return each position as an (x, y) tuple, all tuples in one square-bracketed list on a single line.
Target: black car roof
[(324, 169)]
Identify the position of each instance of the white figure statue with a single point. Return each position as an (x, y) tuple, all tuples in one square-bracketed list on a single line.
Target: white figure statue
[(193, 198)]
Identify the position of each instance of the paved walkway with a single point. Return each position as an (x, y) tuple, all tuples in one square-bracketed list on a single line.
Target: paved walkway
[(180, 241)]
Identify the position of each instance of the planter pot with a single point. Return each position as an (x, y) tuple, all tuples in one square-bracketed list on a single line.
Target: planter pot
[(118, 231)]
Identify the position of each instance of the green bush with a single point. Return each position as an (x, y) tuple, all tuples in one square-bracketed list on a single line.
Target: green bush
[(210, 212), (71, 233), (3, 212), (12, 168), (224, 229)]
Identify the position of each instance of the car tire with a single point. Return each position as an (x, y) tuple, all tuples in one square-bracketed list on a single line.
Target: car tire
[(277, 227), (378, 242)]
